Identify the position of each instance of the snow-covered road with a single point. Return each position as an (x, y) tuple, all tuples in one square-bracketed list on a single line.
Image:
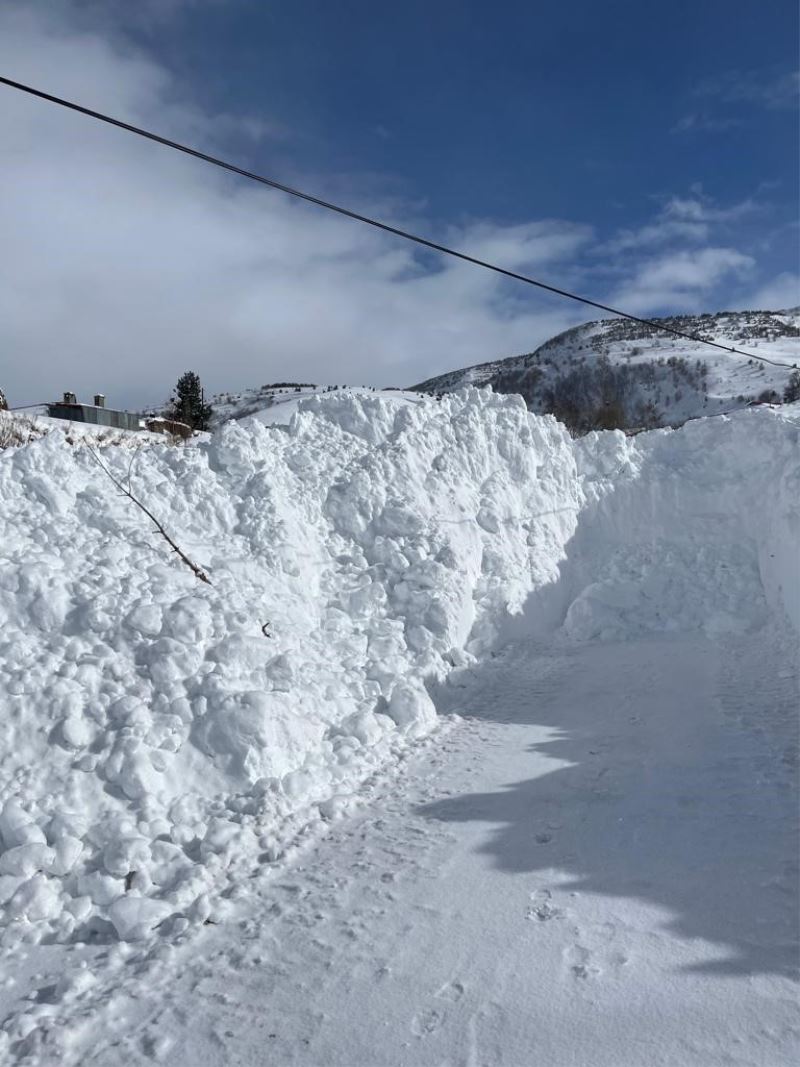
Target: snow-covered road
[(598, 866)]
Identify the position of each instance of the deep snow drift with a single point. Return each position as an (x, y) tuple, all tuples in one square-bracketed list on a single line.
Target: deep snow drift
[(157, 746), (152, 733)]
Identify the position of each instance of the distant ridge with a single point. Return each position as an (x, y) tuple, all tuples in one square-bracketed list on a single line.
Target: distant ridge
[(614, 373)]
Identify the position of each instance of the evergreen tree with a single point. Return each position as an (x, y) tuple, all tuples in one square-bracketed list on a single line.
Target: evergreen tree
[(792, 390), (187, 403)]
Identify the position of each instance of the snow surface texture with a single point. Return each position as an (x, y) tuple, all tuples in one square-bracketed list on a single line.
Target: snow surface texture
[(696, 529), (596, 867), (152, 735), (158, 751), (151, 729)]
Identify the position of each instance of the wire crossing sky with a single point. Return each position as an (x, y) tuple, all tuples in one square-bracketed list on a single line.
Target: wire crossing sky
[(655, 175), (356, 216)]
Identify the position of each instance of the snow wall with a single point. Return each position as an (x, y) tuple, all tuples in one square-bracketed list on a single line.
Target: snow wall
[(156, 745), (694, 529), (152, 736)]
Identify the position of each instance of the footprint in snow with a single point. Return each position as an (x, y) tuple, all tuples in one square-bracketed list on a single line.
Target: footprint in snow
[(605, 931), (581, 963), (427, 1022), (584, 963), (541, 908), (157, 1046), (452, 991)]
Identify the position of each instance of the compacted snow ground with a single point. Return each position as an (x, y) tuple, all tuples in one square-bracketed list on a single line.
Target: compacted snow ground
[(596, 864)]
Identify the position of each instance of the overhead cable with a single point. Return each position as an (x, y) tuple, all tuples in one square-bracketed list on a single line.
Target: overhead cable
[(376, 223)]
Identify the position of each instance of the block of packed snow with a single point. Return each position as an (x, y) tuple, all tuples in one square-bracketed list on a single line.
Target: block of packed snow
[(167, 862), (220, 835), (145, 618), (17, 827), (25, 860), (135, 917), (126, 854), (100, 887), (76, 731), (410, 707), (79, 907), (38, 898), (200, 910)]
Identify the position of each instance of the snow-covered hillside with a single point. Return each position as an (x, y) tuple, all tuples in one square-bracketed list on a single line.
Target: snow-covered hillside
[(621, 373), (164, 741), (275, 404)]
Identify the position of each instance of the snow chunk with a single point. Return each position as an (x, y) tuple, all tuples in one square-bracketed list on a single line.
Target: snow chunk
[(411, 708), (16, 826), (126, 855), (135, 918), (25, 860), (36, 899)]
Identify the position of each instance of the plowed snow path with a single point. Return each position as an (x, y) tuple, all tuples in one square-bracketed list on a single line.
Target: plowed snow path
[(597, 867)]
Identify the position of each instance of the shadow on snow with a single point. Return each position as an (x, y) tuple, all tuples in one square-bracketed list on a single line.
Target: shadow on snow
[(668, 796)]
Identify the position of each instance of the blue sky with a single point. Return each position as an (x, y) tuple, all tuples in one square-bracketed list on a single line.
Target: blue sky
[(645, 155), (514, 109)]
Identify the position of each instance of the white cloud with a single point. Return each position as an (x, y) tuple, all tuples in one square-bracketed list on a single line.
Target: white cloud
[(701, 209), (126, 264), (527, 245), (660, 232), (702, 122), (760, 88), (681, 280), (734, 99), (146, 16), (688, 219), (778, 294)]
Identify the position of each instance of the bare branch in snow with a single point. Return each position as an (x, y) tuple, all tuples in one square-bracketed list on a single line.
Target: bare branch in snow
[(129, 494)]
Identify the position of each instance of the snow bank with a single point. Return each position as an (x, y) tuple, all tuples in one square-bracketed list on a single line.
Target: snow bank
[(155, 745), (153, 739), (695, 529)]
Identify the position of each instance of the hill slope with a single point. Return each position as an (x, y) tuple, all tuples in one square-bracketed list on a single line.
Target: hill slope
[(615, 373)]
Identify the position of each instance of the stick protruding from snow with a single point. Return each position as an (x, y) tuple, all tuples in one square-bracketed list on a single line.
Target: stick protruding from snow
[(128, 492)]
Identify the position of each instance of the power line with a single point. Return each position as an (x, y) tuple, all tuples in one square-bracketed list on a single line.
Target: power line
[(405, 234)]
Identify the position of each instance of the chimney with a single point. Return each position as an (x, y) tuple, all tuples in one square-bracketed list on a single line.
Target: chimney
[(99, 400), (70, 398)]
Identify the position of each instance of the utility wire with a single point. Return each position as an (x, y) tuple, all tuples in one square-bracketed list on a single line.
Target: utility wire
[(424, 241)]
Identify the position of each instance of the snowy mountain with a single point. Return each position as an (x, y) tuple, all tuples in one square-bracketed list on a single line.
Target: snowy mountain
[(607, 374), (617, 373)]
